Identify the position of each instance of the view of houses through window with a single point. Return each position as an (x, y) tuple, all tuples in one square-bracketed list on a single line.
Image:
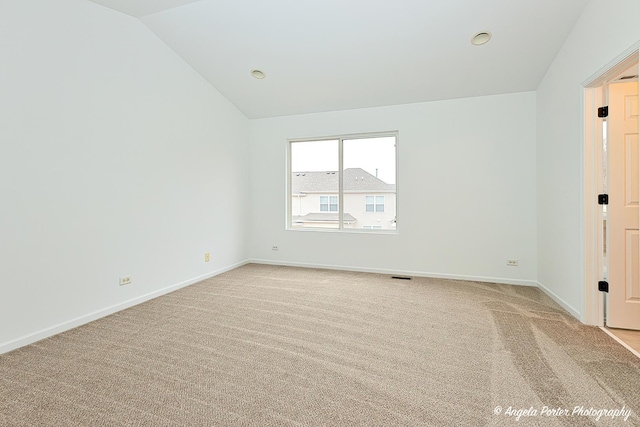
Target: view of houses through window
[(343, 183)]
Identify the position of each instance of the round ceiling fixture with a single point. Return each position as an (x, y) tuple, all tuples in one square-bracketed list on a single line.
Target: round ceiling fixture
[(481, 38), (258, 74)]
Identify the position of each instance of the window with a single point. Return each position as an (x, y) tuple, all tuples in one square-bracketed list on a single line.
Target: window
[(374, 203), (329, 178), (328, 203)]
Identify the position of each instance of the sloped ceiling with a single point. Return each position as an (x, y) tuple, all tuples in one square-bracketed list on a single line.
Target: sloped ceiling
[(335, 54), (142, 7)]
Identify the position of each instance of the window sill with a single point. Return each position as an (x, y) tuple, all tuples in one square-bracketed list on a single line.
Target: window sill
[(343, 230)]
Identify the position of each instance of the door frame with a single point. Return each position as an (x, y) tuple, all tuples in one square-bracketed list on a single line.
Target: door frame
[(594, 96)]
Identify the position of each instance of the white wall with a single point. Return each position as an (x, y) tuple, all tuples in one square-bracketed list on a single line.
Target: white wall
[(116, 159), (466, 190), (604, 31)]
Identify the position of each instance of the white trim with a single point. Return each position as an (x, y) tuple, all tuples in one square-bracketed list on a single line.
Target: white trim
[(592, 227), (287, 180), (340, 183), (500, 280), (560, 301), (624, 344), (375, 134), (90, 317), (387, 231), (617, 65)]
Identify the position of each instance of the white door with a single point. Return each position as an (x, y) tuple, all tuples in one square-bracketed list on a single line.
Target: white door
[(623, 300)]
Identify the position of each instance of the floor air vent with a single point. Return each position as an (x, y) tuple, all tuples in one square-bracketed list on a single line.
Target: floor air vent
[(401, 277)]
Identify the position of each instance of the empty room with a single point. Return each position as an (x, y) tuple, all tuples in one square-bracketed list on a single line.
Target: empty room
[(276, 213)]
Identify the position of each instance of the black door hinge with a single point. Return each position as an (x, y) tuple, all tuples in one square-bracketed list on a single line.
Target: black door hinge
[(603, 112), (603, 199), (603, 286)]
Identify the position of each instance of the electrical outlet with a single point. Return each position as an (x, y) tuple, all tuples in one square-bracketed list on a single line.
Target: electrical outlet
[(512, 262), (207, 257), (274, 248), (125, 281)]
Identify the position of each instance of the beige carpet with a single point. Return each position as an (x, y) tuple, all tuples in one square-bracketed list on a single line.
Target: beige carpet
[(277, 346)]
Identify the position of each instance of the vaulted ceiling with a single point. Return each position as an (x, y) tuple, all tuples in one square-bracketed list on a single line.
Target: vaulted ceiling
[(341, 54)]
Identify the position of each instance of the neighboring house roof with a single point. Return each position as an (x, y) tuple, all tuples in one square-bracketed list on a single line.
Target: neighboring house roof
[(323, 217), (356, 180)]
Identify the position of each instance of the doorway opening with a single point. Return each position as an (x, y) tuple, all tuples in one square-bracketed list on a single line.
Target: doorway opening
[(611, 167)]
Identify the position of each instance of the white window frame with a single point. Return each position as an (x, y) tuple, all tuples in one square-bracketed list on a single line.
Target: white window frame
[(329, 196), (375, 204), (341, 138)]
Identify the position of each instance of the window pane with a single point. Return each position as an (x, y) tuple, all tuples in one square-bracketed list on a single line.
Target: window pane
[(369, 166), (314, 184), (333, 207), (368, 173), (324, 203)]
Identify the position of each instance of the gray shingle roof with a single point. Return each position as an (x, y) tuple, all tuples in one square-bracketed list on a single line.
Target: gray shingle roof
[(323, 216), (356, 180)]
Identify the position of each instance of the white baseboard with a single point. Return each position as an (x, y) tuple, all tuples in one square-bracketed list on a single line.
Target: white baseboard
[(502, 280), (73, 323), (575, 313), (90, 317)]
